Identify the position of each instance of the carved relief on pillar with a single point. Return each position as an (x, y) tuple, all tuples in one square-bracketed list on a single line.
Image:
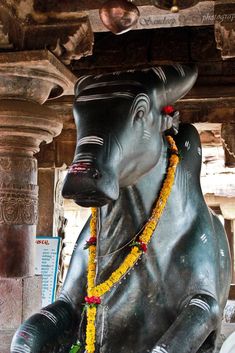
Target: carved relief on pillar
[(18, 190), (18, 164), (18, 207)]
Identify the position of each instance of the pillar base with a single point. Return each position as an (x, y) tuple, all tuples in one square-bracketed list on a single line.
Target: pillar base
[(19, 299)]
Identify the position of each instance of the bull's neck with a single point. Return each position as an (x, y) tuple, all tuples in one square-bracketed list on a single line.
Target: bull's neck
[(122, 219)]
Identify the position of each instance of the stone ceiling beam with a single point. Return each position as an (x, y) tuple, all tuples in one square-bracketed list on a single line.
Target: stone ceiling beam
[(66, 28), (152, 17), (137, 49)]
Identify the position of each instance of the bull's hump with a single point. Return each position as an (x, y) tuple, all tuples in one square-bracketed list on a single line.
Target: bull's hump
[(189, 146)]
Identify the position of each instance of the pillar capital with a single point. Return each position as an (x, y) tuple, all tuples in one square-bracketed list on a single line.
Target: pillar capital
[(27, 80), (24, 125), (34, 75)]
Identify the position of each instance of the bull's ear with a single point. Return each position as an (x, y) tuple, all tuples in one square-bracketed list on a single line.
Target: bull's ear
[(177, 81), (170, 123), (81, 83)]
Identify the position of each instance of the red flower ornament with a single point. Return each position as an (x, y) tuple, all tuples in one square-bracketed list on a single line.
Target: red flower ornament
[(89, 242), (143, 246), (168, 110), (140, 244), (92, 300)]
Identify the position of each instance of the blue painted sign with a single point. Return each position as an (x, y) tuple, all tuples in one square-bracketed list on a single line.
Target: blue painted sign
[(46, 264)]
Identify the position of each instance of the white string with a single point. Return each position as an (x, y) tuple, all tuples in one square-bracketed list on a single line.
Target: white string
[(123, 247)]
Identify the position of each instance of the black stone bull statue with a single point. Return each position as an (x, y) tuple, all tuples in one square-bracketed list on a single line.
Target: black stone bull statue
[(173, 300)]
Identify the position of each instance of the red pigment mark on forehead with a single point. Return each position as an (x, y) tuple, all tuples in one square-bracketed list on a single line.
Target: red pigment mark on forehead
[(79, 167)]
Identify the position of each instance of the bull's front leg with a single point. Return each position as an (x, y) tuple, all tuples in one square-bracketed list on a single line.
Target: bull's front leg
[(199, 318), (47, 331), (54, 329)]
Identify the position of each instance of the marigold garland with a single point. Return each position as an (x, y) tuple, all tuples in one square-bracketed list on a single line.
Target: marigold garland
[(138, 247)]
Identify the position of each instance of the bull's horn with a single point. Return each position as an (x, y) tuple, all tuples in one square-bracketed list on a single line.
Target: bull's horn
[(177, 81)]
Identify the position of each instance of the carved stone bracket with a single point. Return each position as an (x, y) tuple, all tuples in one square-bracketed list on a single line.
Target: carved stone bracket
[(225, 28), (67, 34), (74, 46)]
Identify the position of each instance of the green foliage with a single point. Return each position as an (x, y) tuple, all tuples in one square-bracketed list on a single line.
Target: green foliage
[(75, 348)]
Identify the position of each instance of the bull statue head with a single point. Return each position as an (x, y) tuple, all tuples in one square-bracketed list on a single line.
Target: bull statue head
[(120, 129)]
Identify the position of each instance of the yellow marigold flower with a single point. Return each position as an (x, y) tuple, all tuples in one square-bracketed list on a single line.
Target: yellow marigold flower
[(90, 348), (97, 292), (125, 267), (92, 266), (109, 282), (105, 287)]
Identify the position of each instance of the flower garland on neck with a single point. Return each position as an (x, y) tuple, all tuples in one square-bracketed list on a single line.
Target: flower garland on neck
[(94, 292)]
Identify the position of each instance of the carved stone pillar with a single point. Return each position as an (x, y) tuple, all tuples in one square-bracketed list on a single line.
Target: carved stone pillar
[(227, 137), (26, 81), (50, 206)]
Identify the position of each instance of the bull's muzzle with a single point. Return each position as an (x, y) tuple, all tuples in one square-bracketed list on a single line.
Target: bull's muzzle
[(88, 187)]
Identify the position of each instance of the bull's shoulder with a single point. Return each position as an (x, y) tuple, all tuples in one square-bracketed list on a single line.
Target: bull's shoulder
[(189, 146)]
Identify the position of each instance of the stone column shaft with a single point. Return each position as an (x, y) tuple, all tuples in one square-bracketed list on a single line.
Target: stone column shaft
[(18, 214)]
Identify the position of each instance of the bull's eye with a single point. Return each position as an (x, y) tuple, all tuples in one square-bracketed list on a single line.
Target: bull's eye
[(140, 114), (140, 108)]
